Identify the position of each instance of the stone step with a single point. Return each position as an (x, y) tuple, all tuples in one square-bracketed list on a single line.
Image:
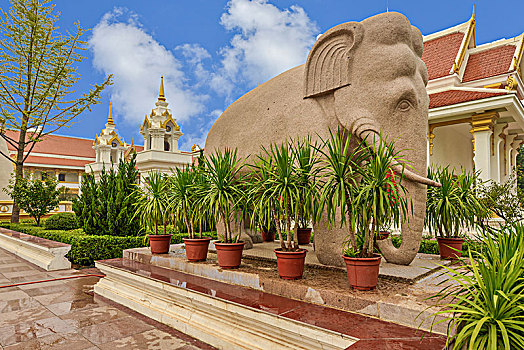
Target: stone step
[(407, 310), (229, 316)]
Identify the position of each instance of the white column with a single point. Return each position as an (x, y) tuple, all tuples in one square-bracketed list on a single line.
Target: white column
[(482, 151), (157, 139), (481, 130), (498, 129)]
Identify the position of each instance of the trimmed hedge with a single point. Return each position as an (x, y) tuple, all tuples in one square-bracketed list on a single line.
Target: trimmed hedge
[(85, 249), (61, 221), (427, 246)]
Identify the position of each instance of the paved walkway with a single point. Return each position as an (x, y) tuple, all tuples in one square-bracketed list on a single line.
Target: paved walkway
[(64, 314)]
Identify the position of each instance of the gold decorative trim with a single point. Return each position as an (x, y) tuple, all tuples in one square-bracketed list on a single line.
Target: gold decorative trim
[(110, 116), (511, 83), (115, 138), (144, 123), (431, 136), (518, 57), (170, 119), (161, 96), (484, 121), (465, 43), (493, 86)]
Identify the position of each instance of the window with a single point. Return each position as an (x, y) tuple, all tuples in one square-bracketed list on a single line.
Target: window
[(166, 146), (43, 176), (61, 177)]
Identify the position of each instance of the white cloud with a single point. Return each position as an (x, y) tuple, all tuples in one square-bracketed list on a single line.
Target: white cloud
[(122, 47), (269, 41), (195, 55)]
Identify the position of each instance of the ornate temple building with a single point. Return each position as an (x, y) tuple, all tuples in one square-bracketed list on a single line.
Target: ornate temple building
[(160, 151), (476, 115), (161, 134)]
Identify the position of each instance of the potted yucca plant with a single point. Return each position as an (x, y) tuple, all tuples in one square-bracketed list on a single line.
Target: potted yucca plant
[(153, 211), (359, 182), (275, 191), (452, 208), (483, 304), (306, 161), (221, 193), (183, 199)]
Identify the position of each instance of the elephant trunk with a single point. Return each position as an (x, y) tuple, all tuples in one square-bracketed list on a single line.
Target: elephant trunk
[(411, 229)]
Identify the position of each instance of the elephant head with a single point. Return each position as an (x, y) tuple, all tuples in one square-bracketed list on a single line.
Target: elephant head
[(373, 72)]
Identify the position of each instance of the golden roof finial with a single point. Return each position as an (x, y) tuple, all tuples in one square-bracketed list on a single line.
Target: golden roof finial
[(161, 96), (473, 13), (110, 116)]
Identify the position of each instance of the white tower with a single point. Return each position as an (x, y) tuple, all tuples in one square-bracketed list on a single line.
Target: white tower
[(109, 148), (161, 134)]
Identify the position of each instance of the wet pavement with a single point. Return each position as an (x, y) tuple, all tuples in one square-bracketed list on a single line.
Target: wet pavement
[(65, 314)]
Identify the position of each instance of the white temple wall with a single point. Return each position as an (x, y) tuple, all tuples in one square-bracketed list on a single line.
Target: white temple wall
[(452, 146)]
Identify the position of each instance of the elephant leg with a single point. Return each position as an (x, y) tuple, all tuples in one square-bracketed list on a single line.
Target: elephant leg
[(411, 231), (329, 242)]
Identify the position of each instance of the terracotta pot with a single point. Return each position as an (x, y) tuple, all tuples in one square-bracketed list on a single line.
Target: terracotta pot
[(291, 264), (268, 235), (363, 272), (196, 248), (159, 243), (304, 236), (447, 246), (229, 254)]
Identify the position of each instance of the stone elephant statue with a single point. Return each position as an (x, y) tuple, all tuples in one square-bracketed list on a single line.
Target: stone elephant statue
[(364, 77)]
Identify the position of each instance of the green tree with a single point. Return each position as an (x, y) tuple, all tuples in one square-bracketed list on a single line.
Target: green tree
[(38, 74), (106, 207), (35, 197)]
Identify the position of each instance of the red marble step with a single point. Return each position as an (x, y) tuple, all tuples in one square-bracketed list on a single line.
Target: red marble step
[(47, 243), (373, 333)]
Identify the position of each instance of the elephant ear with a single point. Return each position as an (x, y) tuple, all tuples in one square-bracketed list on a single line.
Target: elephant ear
[(328, 63)]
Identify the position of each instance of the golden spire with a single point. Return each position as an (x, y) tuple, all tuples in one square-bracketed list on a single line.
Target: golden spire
[(473, 13), (161, 96), (110, 116)]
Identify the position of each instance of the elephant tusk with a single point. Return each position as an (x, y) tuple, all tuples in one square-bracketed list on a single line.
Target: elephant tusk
[(409, 175), (365, 129)]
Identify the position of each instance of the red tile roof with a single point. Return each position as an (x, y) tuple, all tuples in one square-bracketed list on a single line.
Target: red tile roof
[(452, 97), (59, 145), (489, 63), (57, 161), (439, 54)]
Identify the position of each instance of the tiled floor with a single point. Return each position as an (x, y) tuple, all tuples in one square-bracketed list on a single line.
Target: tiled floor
[(64, 314)]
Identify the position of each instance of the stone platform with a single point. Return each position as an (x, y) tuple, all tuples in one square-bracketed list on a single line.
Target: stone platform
[(422, 266), (44, 253), (393, 301), (230, 316)]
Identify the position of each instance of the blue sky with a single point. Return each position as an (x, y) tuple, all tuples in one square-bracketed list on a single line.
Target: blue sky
[(212, 52)]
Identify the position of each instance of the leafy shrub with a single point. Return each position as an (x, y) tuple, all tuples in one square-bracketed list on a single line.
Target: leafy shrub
[(86, 249), (35, 197), (61, 221), (484, 304), (106, 207)]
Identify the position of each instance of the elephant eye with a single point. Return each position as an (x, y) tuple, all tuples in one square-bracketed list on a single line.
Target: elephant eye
[(404, 105)]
